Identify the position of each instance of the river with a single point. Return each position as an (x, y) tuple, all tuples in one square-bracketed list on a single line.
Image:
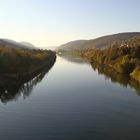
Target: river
[(73, 101)]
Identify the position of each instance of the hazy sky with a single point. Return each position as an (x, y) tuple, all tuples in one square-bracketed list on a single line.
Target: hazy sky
[(54, 22)]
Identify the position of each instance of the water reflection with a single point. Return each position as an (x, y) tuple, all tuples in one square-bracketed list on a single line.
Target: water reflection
[(13, 88), (73, 58), (122, 79)]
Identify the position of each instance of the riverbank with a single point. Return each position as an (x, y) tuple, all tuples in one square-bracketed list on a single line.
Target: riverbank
[(24, 62), (124, 58)]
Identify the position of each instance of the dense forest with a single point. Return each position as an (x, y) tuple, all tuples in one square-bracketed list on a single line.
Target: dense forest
[(122, 56), (17, 62)]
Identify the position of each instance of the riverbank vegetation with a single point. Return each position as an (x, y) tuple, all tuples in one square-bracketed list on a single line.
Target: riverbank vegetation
[(21, 69), (122, 56), (17, 62)]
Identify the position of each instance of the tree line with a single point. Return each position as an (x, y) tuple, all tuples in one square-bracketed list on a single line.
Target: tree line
[(17, 61), (122, 56)]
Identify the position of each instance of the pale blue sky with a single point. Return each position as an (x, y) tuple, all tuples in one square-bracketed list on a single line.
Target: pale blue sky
[(54, 22)]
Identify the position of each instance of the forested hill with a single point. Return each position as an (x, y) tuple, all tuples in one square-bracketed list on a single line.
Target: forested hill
[(13, 44), (122, 57), (22, 59), (98, 43)]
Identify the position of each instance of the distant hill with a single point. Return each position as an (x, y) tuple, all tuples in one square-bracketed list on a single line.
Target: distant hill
[(49, 47), (98, 43), (13, 44), (29, 45), (78, 44)]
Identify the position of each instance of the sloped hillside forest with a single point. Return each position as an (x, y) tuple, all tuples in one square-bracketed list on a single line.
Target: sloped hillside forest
[(122, 56), (15, 62)]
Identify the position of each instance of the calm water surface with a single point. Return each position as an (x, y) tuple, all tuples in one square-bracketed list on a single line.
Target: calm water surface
[(73, 101)]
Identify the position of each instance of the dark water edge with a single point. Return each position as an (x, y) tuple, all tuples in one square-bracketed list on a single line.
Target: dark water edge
[(115, 77), (12, 86)]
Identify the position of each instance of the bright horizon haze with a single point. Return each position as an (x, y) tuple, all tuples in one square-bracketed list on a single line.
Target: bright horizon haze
[(54, 22)]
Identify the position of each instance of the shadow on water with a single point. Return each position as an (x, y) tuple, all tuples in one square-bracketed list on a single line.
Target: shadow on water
[(121, 79), (13, 88)]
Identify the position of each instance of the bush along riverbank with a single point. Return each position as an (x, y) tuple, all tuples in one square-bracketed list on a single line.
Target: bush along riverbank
[(16, 62), (123, 57)]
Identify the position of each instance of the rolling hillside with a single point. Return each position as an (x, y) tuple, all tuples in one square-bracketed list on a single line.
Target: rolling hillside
[(98, 43), (13, 44)]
